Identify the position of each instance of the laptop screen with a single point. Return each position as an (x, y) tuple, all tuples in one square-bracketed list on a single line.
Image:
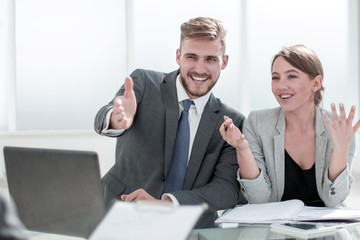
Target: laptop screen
[(55, 191)]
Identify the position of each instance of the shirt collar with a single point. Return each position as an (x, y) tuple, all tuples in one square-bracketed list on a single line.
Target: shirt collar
[(199, 102)]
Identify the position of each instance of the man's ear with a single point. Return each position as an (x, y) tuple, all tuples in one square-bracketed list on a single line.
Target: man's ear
[(225, 60), (178, 55)]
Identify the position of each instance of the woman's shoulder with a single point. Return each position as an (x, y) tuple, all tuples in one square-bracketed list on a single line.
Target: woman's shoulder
[(261, 125), (265, 114), (263, 120)]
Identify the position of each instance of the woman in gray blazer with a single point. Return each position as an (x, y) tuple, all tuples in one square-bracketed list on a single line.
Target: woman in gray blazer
[(297, 150)]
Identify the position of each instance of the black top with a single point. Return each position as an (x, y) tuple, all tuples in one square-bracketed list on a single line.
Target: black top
[(300, 184)]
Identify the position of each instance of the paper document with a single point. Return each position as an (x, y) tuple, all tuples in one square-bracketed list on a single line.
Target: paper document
[(327, 213), (147, 220), (263, 213), (308, 230), (291, 210)]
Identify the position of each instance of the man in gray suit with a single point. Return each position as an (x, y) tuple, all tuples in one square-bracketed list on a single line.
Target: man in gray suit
[(144, 118)]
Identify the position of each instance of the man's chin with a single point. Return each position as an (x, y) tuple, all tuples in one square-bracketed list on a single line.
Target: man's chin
[(196, 94)]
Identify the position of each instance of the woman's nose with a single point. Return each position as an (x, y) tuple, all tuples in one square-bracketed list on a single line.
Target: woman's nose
[(282, 84)]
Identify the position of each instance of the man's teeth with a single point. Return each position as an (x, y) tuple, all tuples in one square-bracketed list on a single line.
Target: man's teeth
[(199, 78), (285, 96)]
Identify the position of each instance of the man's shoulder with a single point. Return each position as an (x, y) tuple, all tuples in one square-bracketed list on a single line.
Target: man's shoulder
[(151, 74), (229, 111)]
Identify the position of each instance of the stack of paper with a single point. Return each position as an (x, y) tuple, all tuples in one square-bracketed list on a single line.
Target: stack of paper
[(291, 210), (263, 213), (327, 213)]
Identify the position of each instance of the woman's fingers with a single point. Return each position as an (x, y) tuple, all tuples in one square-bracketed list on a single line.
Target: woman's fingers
[(334, 114), (351, 114), (342, 113)]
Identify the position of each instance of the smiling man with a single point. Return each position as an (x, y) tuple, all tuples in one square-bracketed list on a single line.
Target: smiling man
[(144, 116)]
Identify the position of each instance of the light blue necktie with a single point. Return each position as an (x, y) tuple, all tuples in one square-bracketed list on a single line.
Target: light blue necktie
[(178, 166)]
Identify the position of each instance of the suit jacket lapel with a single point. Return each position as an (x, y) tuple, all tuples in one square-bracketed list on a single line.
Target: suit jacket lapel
[(321, 143), (171, 106), (205, 130), (279, 150)]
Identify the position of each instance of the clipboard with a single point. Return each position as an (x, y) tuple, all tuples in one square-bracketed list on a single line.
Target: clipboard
[(147, 220)]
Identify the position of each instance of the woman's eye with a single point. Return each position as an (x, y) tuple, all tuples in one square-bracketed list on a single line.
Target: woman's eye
[(292, 76), (275, 78)]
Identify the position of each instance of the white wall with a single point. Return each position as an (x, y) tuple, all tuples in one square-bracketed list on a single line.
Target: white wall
[(70, 60), (7, 65)]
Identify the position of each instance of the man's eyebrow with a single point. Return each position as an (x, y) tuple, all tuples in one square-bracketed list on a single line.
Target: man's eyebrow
[(190, 54), (211, 56)]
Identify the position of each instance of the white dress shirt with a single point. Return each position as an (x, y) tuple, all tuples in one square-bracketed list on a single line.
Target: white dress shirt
[(195, 110)]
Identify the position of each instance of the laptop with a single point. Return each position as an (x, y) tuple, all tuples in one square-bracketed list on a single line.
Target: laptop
[(55, 191)]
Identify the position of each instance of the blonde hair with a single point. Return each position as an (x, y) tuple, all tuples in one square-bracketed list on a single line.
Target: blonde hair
[(204, 28)]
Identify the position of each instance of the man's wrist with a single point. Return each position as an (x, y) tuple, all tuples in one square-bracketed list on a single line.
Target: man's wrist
[(171, 198)]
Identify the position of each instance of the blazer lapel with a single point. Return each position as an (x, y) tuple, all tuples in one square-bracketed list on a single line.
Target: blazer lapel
[(320, 154), (205, 130), (171, 105), (279, 151)]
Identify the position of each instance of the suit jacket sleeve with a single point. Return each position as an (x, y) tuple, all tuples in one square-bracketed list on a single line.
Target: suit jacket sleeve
[(257, 190)]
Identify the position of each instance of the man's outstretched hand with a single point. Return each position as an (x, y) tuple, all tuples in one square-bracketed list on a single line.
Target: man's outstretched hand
[(124, 107)]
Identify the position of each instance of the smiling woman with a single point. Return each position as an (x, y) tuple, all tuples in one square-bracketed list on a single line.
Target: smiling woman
[(297, 150), (294, 79)]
